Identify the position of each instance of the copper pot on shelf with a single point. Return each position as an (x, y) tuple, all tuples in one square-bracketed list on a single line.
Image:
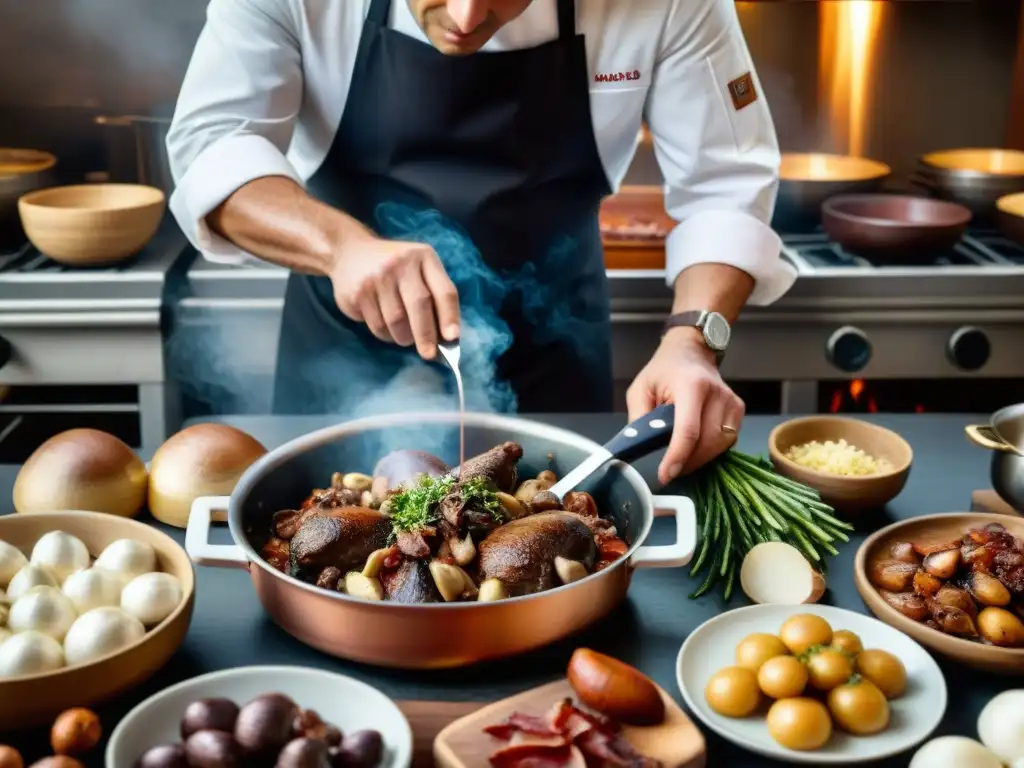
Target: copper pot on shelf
[(443, 635)]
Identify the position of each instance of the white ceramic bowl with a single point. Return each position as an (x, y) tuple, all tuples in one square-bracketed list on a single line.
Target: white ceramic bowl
[(914, 715), (346, 703)]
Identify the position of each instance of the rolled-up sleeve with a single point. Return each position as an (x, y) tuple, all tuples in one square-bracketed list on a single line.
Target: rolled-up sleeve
[(235, 115), (716, 148)]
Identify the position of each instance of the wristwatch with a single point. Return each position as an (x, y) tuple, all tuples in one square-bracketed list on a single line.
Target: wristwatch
[(713, 327)]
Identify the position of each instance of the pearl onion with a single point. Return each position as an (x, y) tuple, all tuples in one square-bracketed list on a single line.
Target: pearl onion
[(151, 597), (62, 552), (11, 561), (43, 609), (93, 588), (99, 632), (32, 575), (129, 557), (29, 653)]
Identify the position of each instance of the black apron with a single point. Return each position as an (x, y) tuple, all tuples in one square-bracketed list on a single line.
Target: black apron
[(491, 159)]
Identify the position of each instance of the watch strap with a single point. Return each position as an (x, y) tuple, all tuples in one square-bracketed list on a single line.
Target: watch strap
[(695, 318)]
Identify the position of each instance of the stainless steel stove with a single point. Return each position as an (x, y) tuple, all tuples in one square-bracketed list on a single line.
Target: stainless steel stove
[(80, 345), (960, 315)]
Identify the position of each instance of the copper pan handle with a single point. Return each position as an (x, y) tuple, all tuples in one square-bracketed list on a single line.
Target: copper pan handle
[(205, 511), (671, 555)]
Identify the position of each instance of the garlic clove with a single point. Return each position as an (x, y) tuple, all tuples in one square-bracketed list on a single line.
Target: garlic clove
[(463, 551), (570, 571), (358, 585), (491, 591), (375, 562), (450, 580)]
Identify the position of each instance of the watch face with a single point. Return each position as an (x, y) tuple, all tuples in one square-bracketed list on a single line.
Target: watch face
[(717, 332)]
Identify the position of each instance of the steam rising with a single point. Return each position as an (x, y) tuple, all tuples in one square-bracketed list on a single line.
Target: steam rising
[(211, 370)]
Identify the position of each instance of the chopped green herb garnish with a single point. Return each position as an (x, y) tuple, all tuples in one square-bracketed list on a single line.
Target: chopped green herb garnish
[(417, 507)]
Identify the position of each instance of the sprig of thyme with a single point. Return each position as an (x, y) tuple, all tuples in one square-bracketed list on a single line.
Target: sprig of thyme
[(416, 507)]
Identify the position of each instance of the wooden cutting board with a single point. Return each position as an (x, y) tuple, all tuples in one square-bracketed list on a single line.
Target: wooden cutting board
[(449, 735)]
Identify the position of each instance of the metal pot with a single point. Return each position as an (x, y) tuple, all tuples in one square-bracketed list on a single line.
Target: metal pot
[(975, 178), (1004, 436), (433, 635), (137, 148), (806, 181), (21, 171)]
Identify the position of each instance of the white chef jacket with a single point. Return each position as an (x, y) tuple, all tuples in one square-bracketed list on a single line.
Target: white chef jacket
[(268, 81)]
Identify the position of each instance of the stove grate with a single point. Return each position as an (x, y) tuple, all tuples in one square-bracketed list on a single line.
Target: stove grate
[(26, 259), (978, 248)]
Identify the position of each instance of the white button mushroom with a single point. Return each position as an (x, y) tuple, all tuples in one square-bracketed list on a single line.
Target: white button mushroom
[(99, 632), (32, 575), (61, 552), (30, 653), (43, 609), (12, 560), (954, 752), (93, 588), (1001, 725), (151, 597), (129, 557)]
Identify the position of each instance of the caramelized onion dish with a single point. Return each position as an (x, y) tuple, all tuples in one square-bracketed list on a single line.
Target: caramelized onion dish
[(418, 531), (971, 587)]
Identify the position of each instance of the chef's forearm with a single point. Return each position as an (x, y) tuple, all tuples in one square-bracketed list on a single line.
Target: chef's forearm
[(718, 287), (277, 220)]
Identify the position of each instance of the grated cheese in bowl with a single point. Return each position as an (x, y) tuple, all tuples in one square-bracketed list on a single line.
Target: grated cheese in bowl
[(837, 458)]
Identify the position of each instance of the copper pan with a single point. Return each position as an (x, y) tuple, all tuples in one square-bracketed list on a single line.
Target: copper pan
[(896, 228), (975, 178), (808, 180), (1011, 216), (442, 635)]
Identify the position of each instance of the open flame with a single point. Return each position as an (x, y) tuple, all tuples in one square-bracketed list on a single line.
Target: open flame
[(847, 44)]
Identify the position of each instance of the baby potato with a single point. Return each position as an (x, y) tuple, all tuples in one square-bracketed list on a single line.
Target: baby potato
[(884, 670), (804, 630), (847, 642), (733, 692), (802, 723), (1000, 627), (782, 677), (859, 707), (828, 668), (754, 650)]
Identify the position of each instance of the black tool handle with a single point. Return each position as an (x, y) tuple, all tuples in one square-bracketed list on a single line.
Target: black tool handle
[(644, 436), (6, 351)]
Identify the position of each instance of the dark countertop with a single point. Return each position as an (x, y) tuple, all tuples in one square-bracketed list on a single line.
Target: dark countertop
[(229, 628)]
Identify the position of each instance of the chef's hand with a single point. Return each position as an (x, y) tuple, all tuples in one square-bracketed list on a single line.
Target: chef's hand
[(399, 289), (683, 372)]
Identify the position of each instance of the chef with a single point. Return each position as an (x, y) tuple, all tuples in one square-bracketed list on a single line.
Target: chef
[(299, 119)]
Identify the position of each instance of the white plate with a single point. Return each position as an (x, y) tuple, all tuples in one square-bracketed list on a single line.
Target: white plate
[(913, 716), (346, 703)]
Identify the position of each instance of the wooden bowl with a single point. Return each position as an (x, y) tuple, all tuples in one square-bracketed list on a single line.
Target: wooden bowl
[(34, 700), (935, 528), (91, 224), (845, 494)]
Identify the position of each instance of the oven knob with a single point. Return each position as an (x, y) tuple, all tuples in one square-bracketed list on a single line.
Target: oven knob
[(968, 348), (848, 349), (5, 351)]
